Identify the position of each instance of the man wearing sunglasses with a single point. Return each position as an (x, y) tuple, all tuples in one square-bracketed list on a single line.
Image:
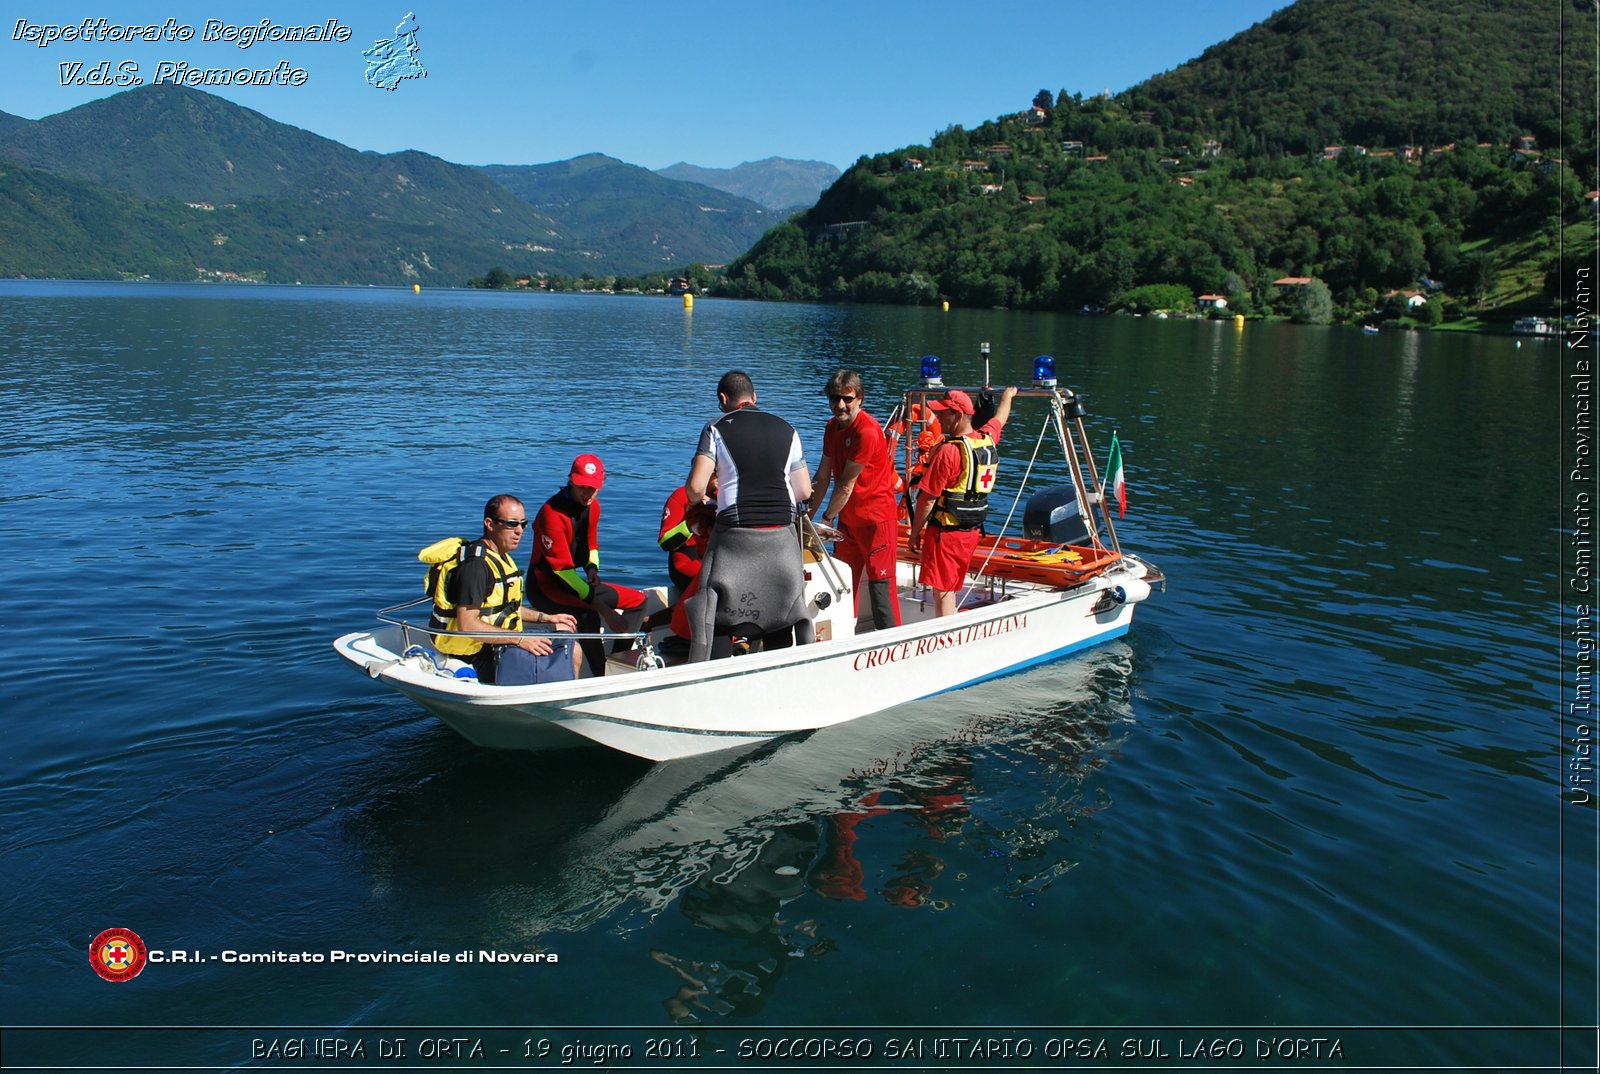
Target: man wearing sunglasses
[(482, 593), (855, 460)]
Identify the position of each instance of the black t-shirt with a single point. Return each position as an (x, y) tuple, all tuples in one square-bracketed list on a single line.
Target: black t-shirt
[(470, 583)]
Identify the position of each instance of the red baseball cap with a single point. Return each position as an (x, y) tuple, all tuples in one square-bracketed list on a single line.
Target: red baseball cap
[(953, 400), (588, 471)]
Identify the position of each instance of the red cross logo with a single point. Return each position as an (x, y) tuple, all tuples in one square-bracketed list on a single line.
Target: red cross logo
[(117, 954)]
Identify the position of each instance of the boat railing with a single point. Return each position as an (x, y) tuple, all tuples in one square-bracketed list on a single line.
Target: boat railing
[(425, 632)]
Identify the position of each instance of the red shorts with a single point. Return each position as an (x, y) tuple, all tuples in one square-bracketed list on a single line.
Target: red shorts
[(946, 554)]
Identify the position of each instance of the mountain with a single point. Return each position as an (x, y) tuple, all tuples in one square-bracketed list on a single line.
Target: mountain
[(273, 202), (9, 122), (786, 186), (640, 221), (1322, 72), (1371, 147), (183, 184)]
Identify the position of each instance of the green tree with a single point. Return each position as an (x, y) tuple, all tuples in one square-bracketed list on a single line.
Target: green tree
[(1159, 296), (1314, 304), (1475, 276)]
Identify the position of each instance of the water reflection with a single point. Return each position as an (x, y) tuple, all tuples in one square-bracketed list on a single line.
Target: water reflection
[(760, 850)]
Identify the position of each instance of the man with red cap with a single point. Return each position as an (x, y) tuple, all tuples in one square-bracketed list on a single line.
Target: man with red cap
[(565, 566), (954, 494)]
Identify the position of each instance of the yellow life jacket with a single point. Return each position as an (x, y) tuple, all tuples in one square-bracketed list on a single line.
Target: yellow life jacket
[(963, 505), (502, 607)]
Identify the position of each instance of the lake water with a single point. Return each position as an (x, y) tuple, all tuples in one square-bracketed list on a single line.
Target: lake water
[(1309, 812)]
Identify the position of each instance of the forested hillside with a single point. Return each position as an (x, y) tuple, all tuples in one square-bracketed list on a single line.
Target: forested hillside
[(175, 183), (1337, 141), (632, 218)]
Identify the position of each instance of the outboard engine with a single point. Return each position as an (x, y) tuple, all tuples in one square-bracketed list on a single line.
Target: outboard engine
[(1053, 514)]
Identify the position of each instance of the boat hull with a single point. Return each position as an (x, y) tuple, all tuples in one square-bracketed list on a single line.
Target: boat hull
[(692, 709)]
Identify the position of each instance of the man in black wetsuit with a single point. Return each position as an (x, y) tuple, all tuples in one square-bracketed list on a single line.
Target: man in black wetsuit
[(752, 576)]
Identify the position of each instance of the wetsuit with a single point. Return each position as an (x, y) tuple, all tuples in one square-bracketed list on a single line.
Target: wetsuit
[(564, 569)]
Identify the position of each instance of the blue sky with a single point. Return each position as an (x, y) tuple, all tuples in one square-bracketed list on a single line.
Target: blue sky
[(709, 82)]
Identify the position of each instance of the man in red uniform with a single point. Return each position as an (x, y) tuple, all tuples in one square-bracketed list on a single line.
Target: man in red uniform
[(954, 494), (855, 459), (565, 566)]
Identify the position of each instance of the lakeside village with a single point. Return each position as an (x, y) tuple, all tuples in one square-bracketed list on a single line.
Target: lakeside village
[(1427, 303), (1402, 307)]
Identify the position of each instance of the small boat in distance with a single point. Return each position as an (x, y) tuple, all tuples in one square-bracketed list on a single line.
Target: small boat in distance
[(1064, 586), (1533, 326), (1369, 329)]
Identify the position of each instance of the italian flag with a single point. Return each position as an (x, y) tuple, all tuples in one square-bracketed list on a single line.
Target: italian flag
[(1114, 481)]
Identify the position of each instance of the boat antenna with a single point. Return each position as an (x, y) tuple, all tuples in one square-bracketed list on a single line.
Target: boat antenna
[(983, 352)]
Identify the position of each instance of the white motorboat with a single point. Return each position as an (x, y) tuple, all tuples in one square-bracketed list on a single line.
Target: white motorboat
[(1029, 600)]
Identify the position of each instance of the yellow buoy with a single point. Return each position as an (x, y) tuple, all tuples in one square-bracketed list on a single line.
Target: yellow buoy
[(945, 305), (1238, 320), (688, 301), (416, 289)]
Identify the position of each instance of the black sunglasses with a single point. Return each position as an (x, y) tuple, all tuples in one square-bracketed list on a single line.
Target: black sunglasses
[(512, 523), (841, 398)]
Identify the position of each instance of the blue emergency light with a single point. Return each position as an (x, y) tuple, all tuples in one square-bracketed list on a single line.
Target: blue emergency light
[(1044, 372)]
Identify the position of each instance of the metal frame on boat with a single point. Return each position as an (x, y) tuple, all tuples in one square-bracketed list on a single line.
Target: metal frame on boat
[(1028, 600)]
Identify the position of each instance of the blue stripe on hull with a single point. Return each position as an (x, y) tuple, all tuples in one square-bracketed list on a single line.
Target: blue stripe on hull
[(1045, 658)]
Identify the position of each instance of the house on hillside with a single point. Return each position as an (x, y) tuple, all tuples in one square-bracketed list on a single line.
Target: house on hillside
[(1206, 303), (1290, 283), (1334, 152), (839, 232), (1412, 299)]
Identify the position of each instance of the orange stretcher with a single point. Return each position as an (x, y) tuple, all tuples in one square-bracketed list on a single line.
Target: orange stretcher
[(1025, 560)]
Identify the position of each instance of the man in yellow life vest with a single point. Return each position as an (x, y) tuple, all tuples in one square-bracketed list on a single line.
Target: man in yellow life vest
[(954, 494), (479, 589)]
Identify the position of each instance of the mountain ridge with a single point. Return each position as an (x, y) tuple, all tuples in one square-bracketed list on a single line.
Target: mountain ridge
[(779, 183), (205, 154), (1276, 155)]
